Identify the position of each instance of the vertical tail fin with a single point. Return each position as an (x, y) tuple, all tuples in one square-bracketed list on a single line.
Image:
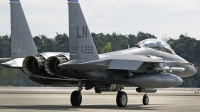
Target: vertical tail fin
[(81, 44), (22, 43)]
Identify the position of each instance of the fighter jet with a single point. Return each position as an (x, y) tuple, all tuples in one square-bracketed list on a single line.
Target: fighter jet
[(149, 65)]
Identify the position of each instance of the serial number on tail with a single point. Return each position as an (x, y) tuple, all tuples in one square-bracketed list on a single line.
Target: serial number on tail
[(87, 49)]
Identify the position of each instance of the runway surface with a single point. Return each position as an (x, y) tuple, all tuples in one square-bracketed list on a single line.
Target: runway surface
[(43, 99)]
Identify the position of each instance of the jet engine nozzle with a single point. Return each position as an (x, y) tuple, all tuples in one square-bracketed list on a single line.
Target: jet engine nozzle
[(51, 65), (34, 65)]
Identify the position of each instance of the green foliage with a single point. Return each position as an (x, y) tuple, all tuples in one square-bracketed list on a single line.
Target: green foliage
[(186, 47), (118, 41), (107, 48), (5, 46), (62, 43), (142, 36), (59, 44)]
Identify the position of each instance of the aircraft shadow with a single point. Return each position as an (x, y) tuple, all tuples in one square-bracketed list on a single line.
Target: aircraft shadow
[(64, 107)]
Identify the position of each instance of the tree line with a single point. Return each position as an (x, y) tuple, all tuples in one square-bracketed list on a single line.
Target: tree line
[(184, 46)]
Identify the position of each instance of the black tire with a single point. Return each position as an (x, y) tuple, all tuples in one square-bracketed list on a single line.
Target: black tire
[(76, 98), (145, 100), (121, 99)]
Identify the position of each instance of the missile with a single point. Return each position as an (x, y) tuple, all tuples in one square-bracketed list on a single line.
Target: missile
[(177, 69)]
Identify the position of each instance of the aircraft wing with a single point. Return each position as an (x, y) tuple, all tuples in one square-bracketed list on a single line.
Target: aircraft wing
[(122, 63), (135, 65)]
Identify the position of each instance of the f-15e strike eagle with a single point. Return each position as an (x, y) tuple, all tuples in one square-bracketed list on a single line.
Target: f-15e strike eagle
[(150, 64)]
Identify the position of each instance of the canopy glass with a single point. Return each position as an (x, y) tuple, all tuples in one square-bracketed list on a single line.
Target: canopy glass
[(156, 44)]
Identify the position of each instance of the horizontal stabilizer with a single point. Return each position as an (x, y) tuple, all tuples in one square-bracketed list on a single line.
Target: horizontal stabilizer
[(2, 60), (15, 63)]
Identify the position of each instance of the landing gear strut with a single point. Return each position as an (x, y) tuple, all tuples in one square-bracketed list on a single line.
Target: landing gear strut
[(145, 100), (121, 99), (76, 96)]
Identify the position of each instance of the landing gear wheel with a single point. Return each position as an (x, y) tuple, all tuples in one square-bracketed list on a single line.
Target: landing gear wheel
[(76, 98), (145, 100), (121, 99)]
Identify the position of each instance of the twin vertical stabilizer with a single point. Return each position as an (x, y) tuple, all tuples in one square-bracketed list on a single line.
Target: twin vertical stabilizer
[(22, 43), (81, 44)]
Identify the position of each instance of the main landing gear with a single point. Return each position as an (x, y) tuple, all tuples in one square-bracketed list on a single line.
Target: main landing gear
[(76, 96), (145, 100), (121, 99)]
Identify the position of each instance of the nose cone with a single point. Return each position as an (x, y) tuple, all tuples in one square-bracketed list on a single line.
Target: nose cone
[(189, 71)]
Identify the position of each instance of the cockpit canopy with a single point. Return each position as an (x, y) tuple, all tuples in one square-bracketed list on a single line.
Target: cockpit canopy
[(156, 44)]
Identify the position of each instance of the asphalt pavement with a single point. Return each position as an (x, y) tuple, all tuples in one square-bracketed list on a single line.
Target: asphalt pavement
[(47, 99)]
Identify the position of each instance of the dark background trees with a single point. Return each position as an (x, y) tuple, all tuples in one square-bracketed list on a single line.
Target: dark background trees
[(5, 46), (185, 46)]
